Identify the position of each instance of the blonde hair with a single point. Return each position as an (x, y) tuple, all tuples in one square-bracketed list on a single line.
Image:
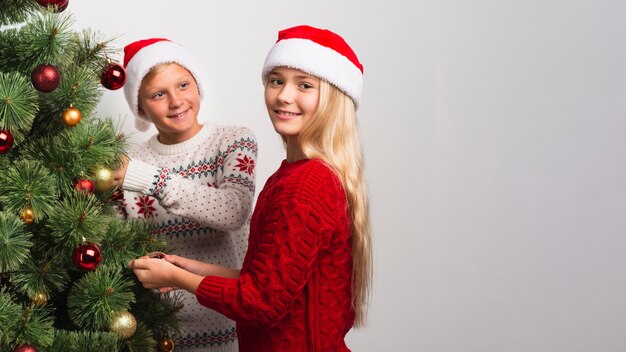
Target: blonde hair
[(332, 136)]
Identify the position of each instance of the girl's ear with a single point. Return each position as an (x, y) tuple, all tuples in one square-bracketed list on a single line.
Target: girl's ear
[(140, 112)]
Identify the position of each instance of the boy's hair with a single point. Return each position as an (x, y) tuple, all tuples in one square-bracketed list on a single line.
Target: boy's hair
[(139, 59)]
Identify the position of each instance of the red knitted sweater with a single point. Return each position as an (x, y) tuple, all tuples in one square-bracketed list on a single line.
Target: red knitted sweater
[(294, 291)]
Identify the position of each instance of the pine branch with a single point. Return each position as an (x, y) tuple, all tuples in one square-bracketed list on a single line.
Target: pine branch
[(40, 276), (35, 327), (12, 11), (10, 314), (18, 104), (14, 242), (76, 219), (27, 183), (141, 341), (96, 296), (84, 341)]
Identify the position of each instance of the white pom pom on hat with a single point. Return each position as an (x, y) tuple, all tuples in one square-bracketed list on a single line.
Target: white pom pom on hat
[(318, 52), (140, 57)]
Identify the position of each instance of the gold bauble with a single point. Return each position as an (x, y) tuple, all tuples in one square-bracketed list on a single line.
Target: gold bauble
[(40, 298), (103, 179), (28, 215), (71, 116), (166, 345), (124, 324)]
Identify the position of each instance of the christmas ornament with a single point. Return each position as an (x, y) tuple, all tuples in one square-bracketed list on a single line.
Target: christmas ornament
[(83, 184), (166, 345), (104, 179), (71, 116), (25, 348), (39, 298), (45, 78), (6, 141), (28, 215), (61, 4), (87, 256), (124, 324), (113, 76)]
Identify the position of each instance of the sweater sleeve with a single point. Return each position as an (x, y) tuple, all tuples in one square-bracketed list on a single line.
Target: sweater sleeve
[(299, 223), (224, 205)]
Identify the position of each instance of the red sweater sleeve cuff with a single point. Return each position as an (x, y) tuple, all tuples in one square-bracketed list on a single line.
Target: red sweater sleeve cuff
[(211, 291)]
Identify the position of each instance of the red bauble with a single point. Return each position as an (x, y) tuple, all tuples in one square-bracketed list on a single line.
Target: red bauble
[(87, 256), (25, 348), (61, 4), (113, 76), (83, 184), (45, 78), (6, 141)]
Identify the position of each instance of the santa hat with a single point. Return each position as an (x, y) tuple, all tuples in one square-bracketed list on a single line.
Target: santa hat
[(140, 57), (321, 53)]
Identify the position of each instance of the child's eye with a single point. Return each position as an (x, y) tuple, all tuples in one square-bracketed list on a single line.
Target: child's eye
[(157, 95), (184, 85), (276, 81), (306, 85)]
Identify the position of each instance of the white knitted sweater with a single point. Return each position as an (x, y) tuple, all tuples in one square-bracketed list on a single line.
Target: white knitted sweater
[(199, 193)]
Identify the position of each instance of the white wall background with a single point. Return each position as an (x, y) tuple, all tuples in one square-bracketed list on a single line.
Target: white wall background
[(495, 141)]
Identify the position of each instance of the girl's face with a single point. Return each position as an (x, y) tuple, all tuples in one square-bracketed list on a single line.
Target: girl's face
[(291, 97), (170, 99)]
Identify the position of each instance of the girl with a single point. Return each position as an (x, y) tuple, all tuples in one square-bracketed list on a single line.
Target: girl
[(194, 181), (307, 272)]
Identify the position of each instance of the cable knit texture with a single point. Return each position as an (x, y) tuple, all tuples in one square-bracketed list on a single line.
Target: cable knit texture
[(199, 193), (294, 289)]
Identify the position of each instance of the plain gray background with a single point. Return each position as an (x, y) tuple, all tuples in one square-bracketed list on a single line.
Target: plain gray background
[(494, 134)]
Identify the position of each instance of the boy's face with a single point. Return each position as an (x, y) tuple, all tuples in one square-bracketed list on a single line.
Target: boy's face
[(170, 99)]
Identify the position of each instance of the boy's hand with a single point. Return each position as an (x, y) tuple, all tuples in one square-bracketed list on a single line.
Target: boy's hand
[(119, 174)]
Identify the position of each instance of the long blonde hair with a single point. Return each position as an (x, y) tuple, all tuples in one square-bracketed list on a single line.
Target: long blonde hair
[(332, 136)]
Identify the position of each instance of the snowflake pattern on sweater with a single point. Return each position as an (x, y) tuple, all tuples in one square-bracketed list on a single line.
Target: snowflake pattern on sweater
[(199, 193)]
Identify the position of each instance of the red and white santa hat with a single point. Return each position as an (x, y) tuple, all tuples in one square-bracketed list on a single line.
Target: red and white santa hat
[(140, 57), (318, 52)]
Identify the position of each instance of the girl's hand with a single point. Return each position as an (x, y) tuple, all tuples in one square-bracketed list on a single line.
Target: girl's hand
[(154, 272)]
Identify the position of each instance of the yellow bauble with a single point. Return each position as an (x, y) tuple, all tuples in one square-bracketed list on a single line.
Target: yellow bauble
[(71, 116), (40, 298), (28, 215), (103, 178), (124, 324)]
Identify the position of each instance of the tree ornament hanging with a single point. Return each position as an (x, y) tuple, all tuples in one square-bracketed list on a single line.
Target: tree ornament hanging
[(25, 348), (113, 76), (123, 323), (87, 256), (104, 179), (60, 4), (45, 78), (166, 344), (71, 116), (28, 215), (39, 298), (85, 185), (6, 141)]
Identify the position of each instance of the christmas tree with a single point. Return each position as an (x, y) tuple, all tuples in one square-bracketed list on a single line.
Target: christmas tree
[(64, 284)]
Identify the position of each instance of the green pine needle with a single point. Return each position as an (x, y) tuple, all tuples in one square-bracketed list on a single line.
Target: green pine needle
[(18, 104), (10, 314), (96, 296), (14, 242), (84, 341), (40, 276), (48, 34), (27, 183), (35, 327), (76, 219), (141, 341)]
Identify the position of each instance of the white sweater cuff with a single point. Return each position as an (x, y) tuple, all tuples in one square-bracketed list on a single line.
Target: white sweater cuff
[(140, 176)]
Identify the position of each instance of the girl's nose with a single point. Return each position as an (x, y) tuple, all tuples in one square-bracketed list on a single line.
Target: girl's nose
[(286, 95)]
